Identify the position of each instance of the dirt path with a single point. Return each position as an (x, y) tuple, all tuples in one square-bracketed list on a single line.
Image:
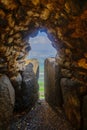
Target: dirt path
[(42, 117)]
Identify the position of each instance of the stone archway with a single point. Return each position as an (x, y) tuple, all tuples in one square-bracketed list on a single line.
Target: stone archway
[(67, 21), (20, 18)]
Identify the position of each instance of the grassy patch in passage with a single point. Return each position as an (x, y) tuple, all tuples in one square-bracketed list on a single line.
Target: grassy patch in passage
[(41, 89)]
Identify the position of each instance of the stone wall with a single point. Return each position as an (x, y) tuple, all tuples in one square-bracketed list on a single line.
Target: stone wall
[(18, 93), (65, 22), (65, 92)]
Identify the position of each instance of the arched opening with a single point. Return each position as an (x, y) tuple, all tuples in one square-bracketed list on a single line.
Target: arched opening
[(41, 49)]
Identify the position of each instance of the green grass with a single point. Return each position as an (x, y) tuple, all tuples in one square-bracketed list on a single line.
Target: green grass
[(41, 89), (41, 84)]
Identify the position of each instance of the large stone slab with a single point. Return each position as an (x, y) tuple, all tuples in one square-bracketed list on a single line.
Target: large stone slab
[(29, 86), (52, 82), (7, 100), (71, 100)]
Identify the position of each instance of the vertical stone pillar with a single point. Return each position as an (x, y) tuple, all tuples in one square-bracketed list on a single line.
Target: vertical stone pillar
[(71, 99), (52, 82)]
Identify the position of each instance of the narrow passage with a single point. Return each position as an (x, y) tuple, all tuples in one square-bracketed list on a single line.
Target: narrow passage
[(42, 117), (41, 49)]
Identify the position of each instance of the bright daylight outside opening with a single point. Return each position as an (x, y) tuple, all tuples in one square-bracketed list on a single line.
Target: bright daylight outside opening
[(41, 49)]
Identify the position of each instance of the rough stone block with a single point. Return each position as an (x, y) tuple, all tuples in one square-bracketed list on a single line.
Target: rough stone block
[(30, 87), (52, 83), (7, 100), (35, 65), (71, 101)]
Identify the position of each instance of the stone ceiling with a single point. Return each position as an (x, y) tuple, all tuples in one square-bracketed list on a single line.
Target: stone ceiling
[(65, 20)]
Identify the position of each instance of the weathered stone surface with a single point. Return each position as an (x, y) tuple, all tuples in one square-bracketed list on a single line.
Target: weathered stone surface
[(17, 82), (52, 83), (7, 100), (71, 99), (27, 95), (84, 113), (35, 64)]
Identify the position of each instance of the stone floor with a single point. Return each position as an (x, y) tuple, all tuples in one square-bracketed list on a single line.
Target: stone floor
[(42, 117)]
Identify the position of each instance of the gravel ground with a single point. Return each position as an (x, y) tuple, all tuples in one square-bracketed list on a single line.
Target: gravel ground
[(42, 117)]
